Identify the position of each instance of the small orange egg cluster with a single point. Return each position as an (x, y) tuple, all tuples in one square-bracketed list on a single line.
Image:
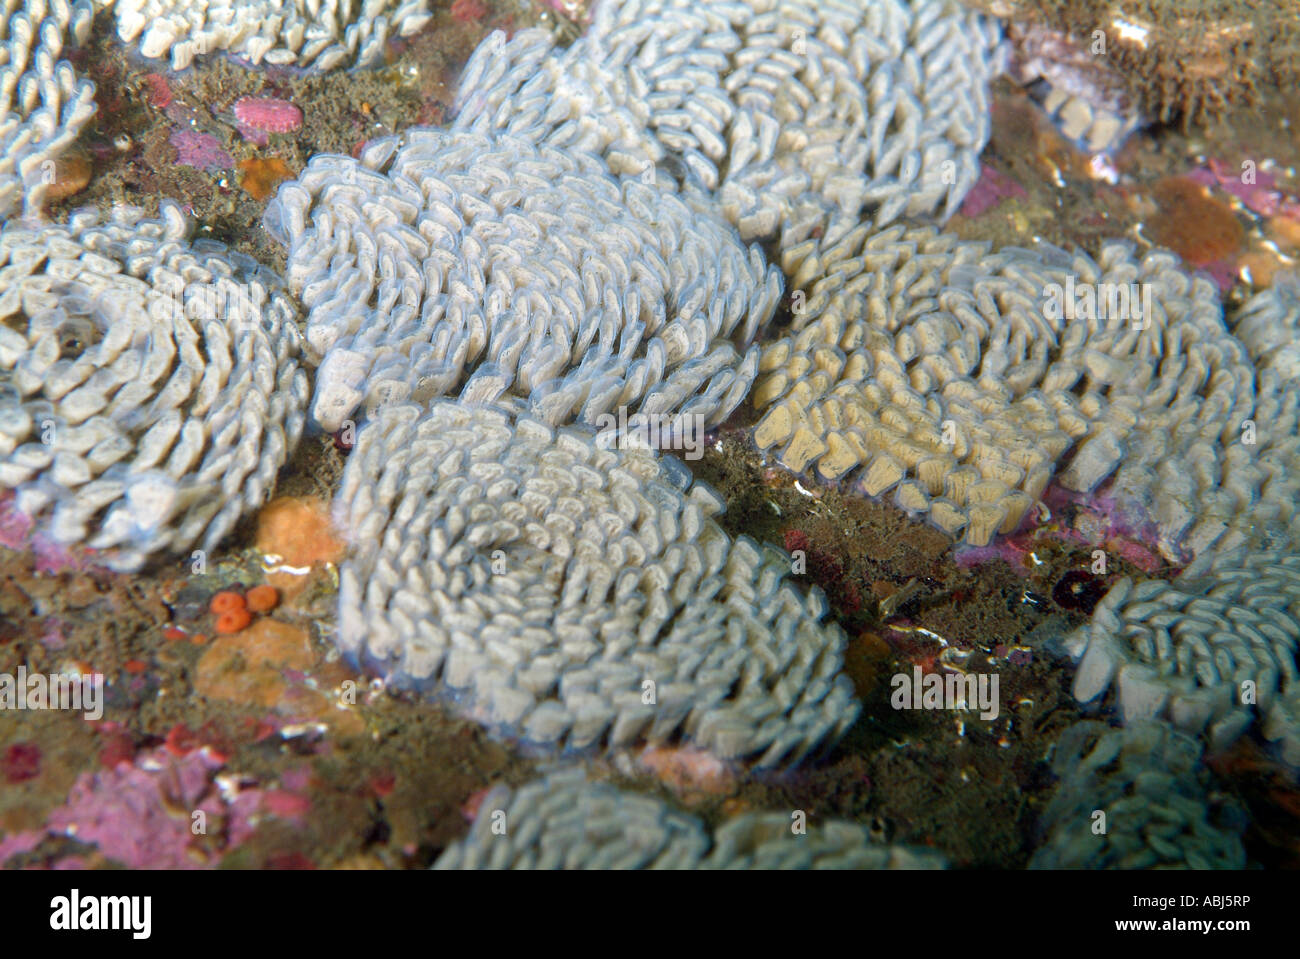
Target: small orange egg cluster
[(234, 611)]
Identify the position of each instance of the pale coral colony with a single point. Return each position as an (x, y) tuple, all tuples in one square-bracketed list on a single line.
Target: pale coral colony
[(616, 224)]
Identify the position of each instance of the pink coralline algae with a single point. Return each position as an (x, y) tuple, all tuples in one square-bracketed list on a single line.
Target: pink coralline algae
[(256, 117), (1256, 189), (16, 844), (990, 190), (468, 11), (202, 151), (1097, 520), (15, 526), (140, 815), (17, 533), (143, 814), (286, 805)]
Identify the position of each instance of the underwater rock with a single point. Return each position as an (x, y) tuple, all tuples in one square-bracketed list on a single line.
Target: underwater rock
[(1151, 792), (564, 822), (577, 597), (150, 386), (43, 103), (452, 263), (1191, 61)]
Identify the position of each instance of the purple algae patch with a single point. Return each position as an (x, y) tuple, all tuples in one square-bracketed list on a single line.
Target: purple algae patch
[(200, 150), (140, 814), (991, 189)]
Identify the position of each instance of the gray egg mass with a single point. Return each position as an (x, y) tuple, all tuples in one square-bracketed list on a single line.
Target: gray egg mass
[(575, 597), (802, 118), (449, 263), (562, 821), (43, 103), (149, 386)]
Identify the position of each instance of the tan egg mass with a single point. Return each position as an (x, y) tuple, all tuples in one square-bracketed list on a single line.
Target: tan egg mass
[(959, 381)]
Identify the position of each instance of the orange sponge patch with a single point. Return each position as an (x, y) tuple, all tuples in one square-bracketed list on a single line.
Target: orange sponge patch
[(262, 598)]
